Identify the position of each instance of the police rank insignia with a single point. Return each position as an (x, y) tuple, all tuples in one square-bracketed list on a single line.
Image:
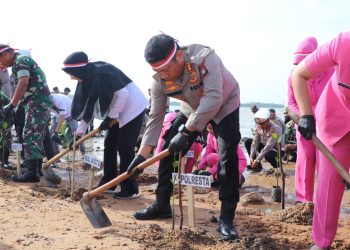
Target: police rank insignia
[(193, 75), (202, 70)]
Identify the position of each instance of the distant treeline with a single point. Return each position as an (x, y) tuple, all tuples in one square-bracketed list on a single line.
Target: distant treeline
[(262, 105)]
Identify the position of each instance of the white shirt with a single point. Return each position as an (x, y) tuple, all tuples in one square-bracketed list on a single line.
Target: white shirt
[(127, 103), (64, 103)]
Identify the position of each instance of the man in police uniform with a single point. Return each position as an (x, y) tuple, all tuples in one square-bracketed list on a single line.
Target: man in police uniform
[(33, 93), (265, 142), (208, 93)]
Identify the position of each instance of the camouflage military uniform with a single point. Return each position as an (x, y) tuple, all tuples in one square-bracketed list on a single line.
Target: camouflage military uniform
[(5, 127), (37, 104)]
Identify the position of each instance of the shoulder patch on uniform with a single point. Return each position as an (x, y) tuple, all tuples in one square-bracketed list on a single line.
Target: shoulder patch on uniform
[(202, 70)]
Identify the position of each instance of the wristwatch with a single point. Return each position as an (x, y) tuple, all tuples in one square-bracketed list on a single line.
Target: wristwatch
[(183, 130)]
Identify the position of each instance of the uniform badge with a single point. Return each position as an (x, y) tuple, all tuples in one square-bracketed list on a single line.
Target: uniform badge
[(200, 92), (193, 74), (168, 82), (202, 70), (172, 87)]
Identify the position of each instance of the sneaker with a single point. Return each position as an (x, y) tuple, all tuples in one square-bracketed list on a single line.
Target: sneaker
[(125, 196), (53, 165), (9, 166), (111, 190), (108, 191)]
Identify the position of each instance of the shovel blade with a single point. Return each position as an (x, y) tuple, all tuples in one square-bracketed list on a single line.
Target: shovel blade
[(51, 177), (95, 213)]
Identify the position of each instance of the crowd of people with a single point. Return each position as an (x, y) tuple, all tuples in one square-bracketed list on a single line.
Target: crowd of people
[(207, 123)]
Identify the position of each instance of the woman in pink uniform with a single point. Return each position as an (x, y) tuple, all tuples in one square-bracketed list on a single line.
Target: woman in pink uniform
[(333, 127), (211, 157), (196, 147), (306, 151)]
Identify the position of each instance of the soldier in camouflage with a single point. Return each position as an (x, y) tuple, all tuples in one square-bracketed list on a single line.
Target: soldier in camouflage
[(33, 94), (5, 132)]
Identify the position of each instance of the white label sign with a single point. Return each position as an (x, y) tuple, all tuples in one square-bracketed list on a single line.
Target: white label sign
[(189, 154), (92, 161), (193, 180), (16, 147)]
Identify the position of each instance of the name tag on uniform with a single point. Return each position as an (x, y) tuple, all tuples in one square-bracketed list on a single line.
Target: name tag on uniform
[(189, 154), (93, 161), (16, 147)]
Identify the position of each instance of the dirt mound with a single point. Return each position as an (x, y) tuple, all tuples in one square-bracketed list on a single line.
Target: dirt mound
[(249, 211), (255, 243), (252, 198), (5, 175), (189, 238), (300, 214), (201, 190), (65, 193), (147, 179), (60, 193)]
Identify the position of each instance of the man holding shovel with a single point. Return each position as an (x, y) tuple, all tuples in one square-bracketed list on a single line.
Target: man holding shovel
[(33, 94), (196, 76), (122, 106), (333, 128)]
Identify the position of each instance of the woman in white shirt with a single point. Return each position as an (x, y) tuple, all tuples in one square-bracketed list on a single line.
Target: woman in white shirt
[(105, 92)]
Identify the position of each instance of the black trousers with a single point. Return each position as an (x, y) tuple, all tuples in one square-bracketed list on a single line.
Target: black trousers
[(121, 141), (48, 146), (228, 136)]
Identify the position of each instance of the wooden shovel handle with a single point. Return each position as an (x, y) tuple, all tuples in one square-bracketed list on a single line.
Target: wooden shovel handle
[(84, 138), (124, 176), (340, 169), (66, 151)]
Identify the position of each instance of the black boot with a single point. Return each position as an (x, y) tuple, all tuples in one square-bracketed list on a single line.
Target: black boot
[(32, 174), (226, 228), (154, 211)]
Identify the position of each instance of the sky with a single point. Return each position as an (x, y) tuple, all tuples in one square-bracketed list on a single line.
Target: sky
[(255, 39)]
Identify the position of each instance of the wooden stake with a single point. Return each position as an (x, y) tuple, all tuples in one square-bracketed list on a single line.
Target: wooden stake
[(91, 179), (18, 162), (73, 166), (180, 194)]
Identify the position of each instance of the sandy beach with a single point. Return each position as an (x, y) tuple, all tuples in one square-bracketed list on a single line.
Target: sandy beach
[(34, 216)]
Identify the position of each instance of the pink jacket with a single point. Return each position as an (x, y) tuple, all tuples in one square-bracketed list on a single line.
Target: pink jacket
[(196, 146), (212, 148), (333, 109), (316, 84)]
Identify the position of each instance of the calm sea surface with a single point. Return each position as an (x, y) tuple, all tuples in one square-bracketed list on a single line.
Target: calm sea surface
[(246, 119)]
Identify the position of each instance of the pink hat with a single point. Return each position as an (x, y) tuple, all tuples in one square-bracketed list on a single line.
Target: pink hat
[(306, 47)]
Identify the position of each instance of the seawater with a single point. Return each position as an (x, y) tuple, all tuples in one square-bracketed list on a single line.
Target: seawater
[(246, 120)]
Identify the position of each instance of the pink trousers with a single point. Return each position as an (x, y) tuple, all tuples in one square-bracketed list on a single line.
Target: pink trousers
[(305, 169), (330, 190), (212, 161)]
